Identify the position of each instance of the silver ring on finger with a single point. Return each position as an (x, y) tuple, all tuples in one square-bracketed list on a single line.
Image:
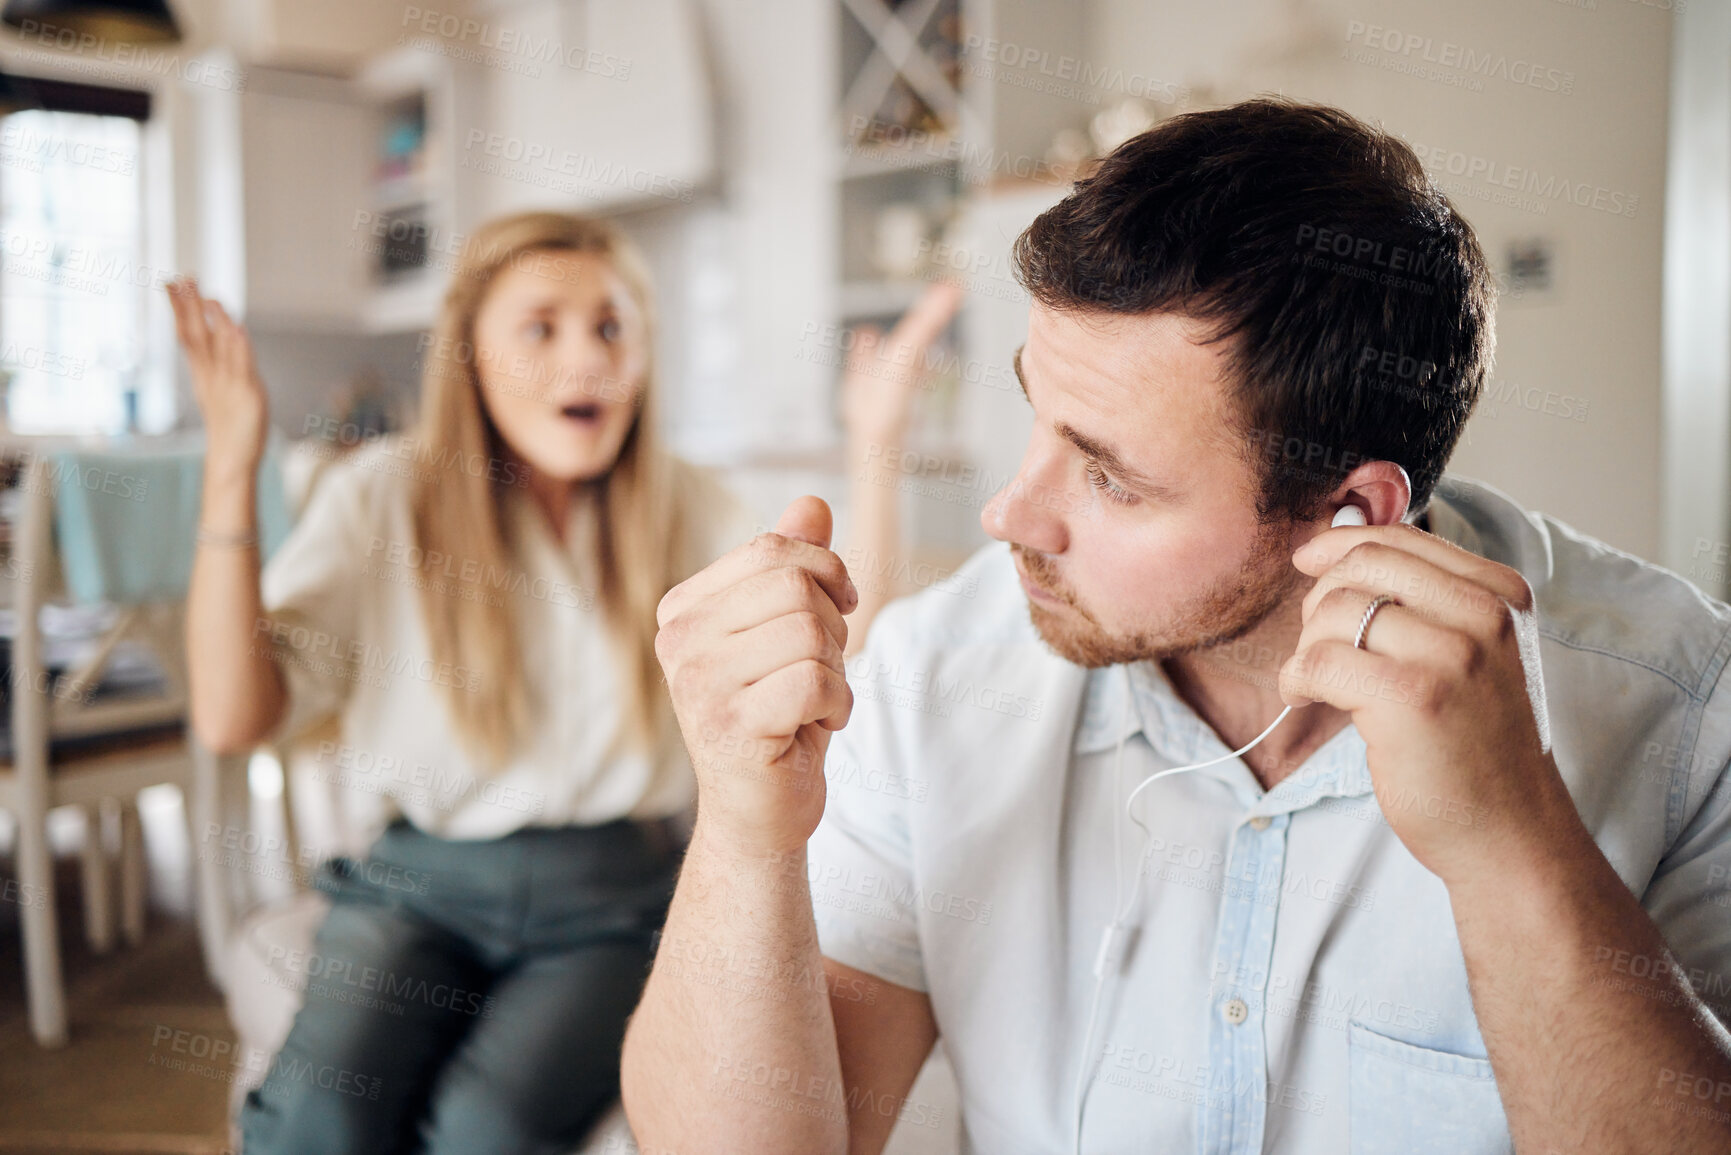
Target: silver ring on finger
[(1376, 603)]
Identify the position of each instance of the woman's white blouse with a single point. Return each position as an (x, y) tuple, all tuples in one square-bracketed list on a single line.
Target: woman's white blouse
[(344, 617)]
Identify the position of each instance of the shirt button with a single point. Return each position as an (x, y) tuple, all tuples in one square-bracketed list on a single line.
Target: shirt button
[(1260, 822), (1235, 1011)]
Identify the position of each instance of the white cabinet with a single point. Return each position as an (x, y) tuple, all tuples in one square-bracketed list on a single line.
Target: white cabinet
[(294, 218), (328, 36), (593, 106), (332, 203), (302, 260), (271, 203)]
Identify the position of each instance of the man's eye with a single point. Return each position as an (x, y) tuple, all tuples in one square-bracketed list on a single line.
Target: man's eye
[(1115, 492)]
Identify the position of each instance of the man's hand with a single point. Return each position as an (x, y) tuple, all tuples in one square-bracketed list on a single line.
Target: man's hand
[(1448, 697), (1446, 693), (752, 649)]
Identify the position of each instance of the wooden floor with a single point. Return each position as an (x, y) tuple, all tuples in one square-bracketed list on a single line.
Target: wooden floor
[(149, 1062)]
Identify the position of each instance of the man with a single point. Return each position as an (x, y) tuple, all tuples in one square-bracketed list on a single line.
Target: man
[(1471, 892)]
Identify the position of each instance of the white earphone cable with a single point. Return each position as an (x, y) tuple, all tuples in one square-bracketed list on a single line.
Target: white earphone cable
[(1114, 940)]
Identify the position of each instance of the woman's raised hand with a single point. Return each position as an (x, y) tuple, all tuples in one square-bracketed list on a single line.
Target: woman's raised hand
[(225, 379), (883, 372)]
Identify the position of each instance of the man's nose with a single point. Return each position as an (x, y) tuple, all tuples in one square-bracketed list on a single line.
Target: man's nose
[(1029, 511)]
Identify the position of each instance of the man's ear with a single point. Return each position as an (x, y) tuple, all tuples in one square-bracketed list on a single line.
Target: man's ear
[(1381, 489)]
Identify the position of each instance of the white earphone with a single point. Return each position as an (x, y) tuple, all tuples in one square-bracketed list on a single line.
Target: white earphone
[(1115, 941), (1348, 515)]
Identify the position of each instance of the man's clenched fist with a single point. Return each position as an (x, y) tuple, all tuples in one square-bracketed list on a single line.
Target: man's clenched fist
[(752, 649)]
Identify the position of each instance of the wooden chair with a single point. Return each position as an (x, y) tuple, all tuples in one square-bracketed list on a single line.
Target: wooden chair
[(70, 748)]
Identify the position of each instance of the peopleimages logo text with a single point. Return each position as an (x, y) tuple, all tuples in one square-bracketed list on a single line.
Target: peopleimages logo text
[(1447, 54)]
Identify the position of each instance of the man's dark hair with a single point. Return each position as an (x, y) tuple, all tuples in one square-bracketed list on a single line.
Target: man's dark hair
[(1356, 299)]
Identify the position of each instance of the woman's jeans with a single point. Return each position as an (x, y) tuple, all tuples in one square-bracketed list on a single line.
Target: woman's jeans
[(467, 996)]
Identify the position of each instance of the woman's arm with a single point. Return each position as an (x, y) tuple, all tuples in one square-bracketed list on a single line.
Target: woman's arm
[(237, 691), (877, 401)]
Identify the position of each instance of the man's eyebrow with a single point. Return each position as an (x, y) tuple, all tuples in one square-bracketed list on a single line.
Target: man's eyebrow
[(1107, 457), (1109, 460)]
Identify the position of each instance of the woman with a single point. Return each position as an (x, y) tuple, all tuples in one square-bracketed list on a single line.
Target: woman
[(475, 604)]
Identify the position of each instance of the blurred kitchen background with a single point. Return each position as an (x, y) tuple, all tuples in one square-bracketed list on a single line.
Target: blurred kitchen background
[(794, 168), (798, 167)]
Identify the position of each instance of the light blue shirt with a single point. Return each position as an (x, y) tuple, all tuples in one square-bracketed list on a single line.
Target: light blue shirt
[(1296, 984)]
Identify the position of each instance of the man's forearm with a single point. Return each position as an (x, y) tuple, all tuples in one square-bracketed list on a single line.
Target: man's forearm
[(1589, 1055), (733, 1047)]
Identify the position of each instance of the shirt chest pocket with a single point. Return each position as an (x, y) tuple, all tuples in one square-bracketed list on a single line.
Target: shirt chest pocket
[(1411, 1100)]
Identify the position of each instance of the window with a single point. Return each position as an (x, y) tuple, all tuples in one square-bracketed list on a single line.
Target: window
[(73, 281)]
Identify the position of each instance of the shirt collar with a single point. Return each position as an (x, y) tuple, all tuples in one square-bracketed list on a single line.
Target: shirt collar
[(538, 550), (1180, 736), (1448, 521)]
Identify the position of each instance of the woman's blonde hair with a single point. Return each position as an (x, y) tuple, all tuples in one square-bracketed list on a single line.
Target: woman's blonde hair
[(458, 510)]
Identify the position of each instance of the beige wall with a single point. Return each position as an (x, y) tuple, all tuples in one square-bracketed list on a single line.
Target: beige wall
[(1595, 336)]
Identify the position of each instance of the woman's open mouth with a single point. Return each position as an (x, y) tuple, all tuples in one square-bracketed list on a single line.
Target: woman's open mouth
[(584, 413)]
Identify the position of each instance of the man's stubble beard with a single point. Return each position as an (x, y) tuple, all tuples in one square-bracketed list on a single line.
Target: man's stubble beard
[(1221, 614)]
